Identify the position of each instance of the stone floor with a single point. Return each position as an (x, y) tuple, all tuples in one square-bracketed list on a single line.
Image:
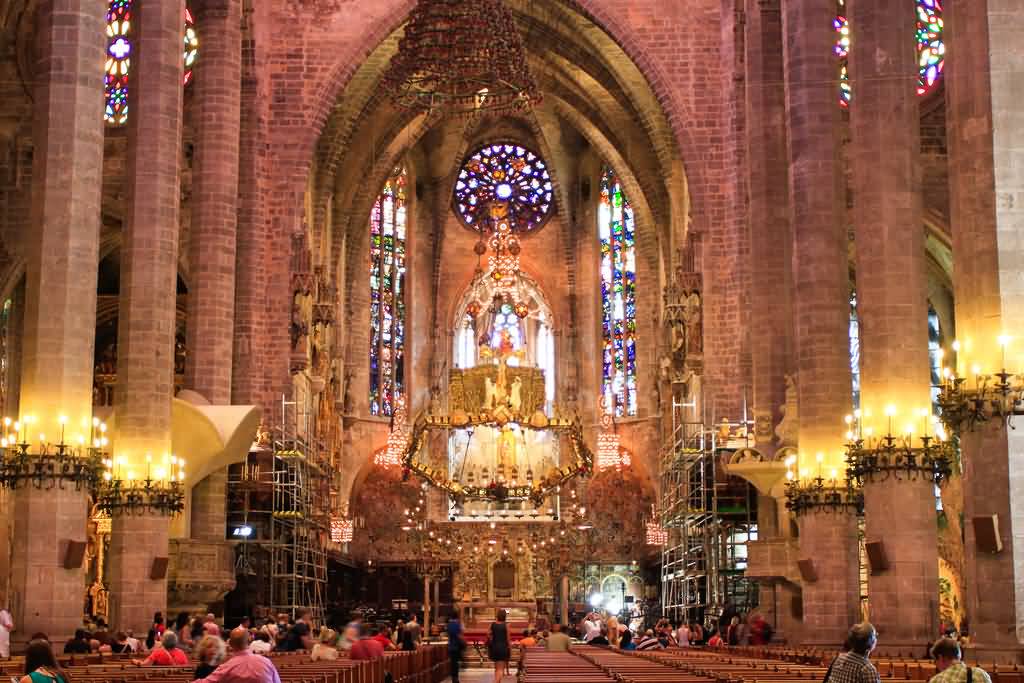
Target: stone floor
[(480, 676)]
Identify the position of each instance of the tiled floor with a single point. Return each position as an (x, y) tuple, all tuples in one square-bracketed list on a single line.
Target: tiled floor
[(480, 676)]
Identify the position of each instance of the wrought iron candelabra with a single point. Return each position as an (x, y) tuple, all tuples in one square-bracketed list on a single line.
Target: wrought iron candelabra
[(821, 495), (999, 396), (49, 466), (145, 496)]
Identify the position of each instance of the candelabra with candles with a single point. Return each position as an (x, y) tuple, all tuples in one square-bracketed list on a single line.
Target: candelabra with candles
[(49, 465), (161, 492), (835, 494), (894, 454), (967, 402)]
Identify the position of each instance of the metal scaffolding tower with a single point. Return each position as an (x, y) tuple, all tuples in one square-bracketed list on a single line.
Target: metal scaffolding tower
[(710, 520)]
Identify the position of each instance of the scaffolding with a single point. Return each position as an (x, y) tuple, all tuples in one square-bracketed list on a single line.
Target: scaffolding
[(710, 520), (288, 491)]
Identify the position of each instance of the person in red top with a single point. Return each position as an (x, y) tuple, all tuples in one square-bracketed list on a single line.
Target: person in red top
[(366, 647), (167, 655), (383, 636)]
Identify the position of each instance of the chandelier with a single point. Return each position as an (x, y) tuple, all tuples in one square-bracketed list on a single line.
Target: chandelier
[(967, 402), (461, 58), (656, 533), (901, 455), (398, 438), (609, 454), (342, 530)]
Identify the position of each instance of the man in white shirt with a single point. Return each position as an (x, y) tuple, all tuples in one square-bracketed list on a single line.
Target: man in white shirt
[(591, 628), (132, 641)]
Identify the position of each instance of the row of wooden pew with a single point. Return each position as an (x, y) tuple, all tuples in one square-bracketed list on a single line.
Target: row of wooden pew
[(428, 664), (693, 665)]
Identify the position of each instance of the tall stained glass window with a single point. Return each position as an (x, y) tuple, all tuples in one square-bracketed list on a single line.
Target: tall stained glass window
[(931, 48), (855, 351), (618, 297), (387, 295), (119, 51), (935, 356)]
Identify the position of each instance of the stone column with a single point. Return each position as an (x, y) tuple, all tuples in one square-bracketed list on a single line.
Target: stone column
[(983, 117), (564, 606), (820, 307), (891, 285), (60, 304), (211, 294), (770, 235), (426, 606), (211, 255), (149, 259)]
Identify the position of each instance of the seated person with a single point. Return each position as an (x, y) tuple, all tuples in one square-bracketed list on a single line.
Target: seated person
[(558, 641), (325, 648), (169, 654), (261, 644), (649, 642), (528, 639), (79, 645)]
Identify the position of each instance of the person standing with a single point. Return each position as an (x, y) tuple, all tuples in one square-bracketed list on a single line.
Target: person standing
[(6, 626), (499, 646), (456, 646), (951, 668), (683, 635), (854, 666), (414, 626), (299, 636)]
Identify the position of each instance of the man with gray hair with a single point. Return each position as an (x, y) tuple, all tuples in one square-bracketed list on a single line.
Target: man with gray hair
[(950, 667), (853, 666), (244, 666)]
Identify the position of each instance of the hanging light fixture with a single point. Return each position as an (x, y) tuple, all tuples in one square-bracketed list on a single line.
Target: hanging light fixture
[(656, 533), (398, 438), (461, 57), (608, 445)]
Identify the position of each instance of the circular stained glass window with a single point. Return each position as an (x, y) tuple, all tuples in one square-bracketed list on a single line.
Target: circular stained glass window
[(504, 173)]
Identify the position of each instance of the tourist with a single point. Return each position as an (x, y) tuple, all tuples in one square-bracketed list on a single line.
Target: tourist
[(558, 641), (261, 643), (325, 648), (210, 652), (399, 631), (760, 631), (405, 640), (732, 632), (663, 633), (158, 624), (696, 634), (683, 635), (951, 668), (716, 640), (626, 640), (649, 642), (299, 636), (456, 646), (499, 646), (366, 648), (6, 626), (384, 637), (79, 645), (182, 627), (132, 641), (853, 665), (590, 627), (244, 666), (353, 631), (168, 654), (601, 639), (40, 664), (612, 631), (415, 627), (528, 640), (121, 646)]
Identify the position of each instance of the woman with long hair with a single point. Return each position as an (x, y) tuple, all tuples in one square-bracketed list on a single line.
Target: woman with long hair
[(210, 652), (499, 647), (41, 666)]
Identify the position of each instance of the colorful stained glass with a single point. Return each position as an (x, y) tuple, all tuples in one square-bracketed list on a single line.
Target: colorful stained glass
[(931, 49), (506, 173), (119, 50), (387, 296), (618, 297)]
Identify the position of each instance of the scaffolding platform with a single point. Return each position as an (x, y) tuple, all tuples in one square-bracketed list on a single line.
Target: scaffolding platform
[(710, 518)]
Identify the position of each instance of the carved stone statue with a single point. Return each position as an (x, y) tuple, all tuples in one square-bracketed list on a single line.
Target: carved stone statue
[(692, 319), (787, 429)]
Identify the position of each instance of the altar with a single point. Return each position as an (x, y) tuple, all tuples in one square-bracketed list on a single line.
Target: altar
[(477, 614)]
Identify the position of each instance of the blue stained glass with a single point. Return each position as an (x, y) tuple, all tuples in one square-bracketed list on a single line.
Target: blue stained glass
[(618, 296), (387, 308)]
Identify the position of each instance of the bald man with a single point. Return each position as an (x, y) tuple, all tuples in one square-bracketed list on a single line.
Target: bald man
[(244, 666)]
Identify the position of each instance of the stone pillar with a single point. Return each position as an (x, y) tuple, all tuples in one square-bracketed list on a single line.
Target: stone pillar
[(829, 605), (770, 235), (149, 258), (564, 611), (60, 304), (211, 255), (426, 606), (891, 285), (820, 308), (437, 601), (983, 117)]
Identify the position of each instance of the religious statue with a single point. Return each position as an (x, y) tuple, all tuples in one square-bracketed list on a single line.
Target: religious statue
[(786, 430), (98, 601), (692, 320)]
